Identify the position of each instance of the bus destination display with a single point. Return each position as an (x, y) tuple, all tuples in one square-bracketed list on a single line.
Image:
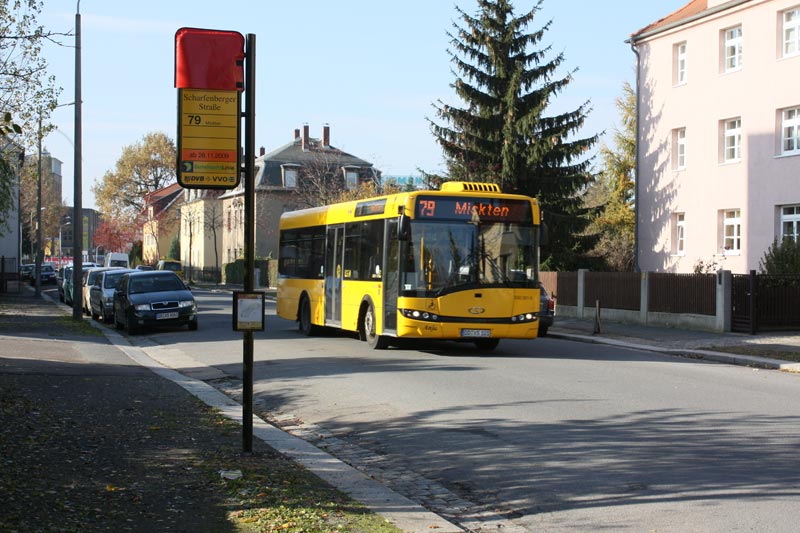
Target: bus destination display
[(473, 209)]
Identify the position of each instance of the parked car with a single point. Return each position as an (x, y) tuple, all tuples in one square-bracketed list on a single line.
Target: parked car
[(172, 265), (47, 273), (546, 310), (149, 299), (26, 272), (117, 259), (89, 277), (101, 293), (69, 280)]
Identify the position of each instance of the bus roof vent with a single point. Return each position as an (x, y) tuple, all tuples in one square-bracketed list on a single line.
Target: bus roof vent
[(466, 186)]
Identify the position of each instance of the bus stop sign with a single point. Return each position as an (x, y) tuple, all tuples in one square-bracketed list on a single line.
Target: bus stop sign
[(209, 76)]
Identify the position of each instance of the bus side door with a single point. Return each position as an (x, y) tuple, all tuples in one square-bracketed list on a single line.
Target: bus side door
[(334, 246)]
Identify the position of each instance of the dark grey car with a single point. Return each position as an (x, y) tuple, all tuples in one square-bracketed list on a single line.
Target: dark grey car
[(150, 299)]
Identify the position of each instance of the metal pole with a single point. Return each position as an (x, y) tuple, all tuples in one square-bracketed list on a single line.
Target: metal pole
[(37, 270), (77, 213), (249, 232)]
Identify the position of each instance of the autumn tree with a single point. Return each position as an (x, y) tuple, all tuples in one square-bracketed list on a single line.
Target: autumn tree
[(27, 93), (53, 209), (614, 190), (502, 133), (142, 168), (114, 235), (212, 221)]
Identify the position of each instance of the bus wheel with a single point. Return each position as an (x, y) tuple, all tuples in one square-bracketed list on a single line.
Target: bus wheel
[(376, 342), (304, 318), (487, 345)]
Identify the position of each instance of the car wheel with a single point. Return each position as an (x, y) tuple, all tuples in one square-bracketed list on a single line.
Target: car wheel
[(543, 331), (193, 325), (487, 345), (95, 316), (376, 342), (130, 324), (304, 324), (117, 323)]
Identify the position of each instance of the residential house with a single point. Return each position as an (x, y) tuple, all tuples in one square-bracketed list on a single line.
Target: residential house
[(161, 221), (279, 178), (718, 170), (201, 233)]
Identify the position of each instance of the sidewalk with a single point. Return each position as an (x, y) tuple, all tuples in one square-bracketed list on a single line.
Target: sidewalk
[(773, 351), (93, 437)]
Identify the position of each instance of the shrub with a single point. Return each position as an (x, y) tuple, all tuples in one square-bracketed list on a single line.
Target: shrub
[(781, 257)]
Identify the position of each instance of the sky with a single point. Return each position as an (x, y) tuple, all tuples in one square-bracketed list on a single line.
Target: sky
[(371, 69)]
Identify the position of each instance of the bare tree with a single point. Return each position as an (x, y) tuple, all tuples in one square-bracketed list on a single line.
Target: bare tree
[(212, 218)]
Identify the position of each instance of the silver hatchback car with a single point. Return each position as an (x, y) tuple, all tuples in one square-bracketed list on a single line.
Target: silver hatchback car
[(101, 293)]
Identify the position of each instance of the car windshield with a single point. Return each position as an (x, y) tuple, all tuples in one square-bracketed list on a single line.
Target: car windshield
[(110, 280), (443, 257), (140, 284), (47, 268)]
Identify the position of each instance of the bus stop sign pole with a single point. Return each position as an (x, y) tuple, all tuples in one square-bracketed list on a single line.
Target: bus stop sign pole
[(249, 232)]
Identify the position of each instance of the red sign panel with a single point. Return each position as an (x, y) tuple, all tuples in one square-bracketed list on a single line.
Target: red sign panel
[(209, 59)]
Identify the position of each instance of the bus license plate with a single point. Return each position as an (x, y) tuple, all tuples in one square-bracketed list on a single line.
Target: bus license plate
[(164, 316), (476, 333)]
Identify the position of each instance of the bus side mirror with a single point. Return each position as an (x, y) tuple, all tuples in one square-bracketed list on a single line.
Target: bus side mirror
[(544, 238), (403, 228)]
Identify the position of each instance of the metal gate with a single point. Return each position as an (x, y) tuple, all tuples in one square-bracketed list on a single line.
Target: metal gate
[(743, 295), (762, 302)]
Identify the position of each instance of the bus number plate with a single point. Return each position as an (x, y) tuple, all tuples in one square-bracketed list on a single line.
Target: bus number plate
[(476, 333)]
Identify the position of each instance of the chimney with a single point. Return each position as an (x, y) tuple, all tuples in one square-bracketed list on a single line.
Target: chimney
[(326, 136), (306, 144), (296, 134), (262, 151)]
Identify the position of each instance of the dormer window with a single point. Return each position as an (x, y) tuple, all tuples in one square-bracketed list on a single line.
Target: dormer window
[(289, 172), (350, 178)]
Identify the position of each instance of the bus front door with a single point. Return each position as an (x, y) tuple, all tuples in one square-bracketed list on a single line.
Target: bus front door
[(333, 275)]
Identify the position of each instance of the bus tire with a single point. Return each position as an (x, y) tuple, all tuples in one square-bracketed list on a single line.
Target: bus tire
[(376, 342), (304, 324), (487, 345)]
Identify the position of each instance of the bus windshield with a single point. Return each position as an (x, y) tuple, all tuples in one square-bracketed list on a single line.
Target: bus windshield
[(447, 256)]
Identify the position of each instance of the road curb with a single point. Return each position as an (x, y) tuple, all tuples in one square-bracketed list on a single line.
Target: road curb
[(710, 355)]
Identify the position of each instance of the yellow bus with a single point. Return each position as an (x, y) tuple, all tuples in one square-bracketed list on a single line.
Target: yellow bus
[(460, 263)]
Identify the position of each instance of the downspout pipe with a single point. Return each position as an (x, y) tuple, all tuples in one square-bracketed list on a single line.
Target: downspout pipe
[(636, 267)]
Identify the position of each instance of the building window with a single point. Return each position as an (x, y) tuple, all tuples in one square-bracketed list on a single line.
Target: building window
[(289, 176), (790, 222), (679, 149), (679, 64), (732, 47), (790, 131), (732, 140), (791, 32), (732, 227), (680, 233), (350, 179)]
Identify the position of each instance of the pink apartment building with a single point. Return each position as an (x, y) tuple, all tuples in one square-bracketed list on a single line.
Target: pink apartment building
[(718, 171)]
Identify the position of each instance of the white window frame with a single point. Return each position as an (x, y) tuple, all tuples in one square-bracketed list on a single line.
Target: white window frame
[(732, 140), (790, 222), (680, 58), (290, 173), (680, 233), (679, 147), (791, 32), (732, 49), (790, 131), (350, 178), (732, 231)]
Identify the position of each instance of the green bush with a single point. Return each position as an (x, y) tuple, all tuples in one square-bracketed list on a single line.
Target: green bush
[(234, 272), (781, 257)]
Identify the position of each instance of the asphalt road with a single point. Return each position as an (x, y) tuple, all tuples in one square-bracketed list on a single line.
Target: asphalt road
[(544, 435)]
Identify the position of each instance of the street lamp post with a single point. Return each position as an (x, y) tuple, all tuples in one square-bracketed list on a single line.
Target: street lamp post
[(38, 259), (77, 216)]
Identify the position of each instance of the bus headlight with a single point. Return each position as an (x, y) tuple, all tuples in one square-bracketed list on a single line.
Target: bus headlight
[(419, 315)]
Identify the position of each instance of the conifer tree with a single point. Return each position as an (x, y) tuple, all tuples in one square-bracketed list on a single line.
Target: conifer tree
[(502, 133)]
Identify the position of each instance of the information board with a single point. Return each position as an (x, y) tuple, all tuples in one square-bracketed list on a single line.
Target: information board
[(208, 139)]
